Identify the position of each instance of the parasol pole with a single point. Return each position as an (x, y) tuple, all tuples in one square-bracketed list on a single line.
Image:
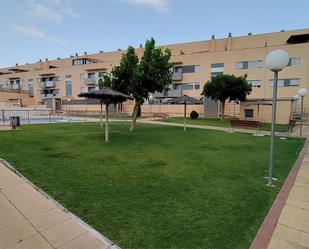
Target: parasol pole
[(106, 122), (185, 116), (101, 102)]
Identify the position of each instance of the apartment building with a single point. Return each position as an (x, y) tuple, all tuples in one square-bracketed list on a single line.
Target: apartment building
[(51, 82)]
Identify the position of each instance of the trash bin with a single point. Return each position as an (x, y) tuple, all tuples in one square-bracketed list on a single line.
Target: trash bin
[(15, 122)]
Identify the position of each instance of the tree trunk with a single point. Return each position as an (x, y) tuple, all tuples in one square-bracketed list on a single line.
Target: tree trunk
[(134, 115), (222, 109)]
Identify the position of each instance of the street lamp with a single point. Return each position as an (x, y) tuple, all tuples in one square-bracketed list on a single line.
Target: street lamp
[(69, 110), (275, 62), (302, 93)]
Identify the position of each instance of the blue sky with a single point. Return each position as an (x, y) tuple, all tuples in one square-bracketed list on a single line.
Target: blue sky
[(38, 29)]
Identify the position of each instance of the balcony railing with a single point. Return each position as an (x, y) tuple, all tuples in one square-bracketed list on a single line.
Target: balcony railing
[(177, 76), (91, 81), (168, 94), (48, 95), (49, 84)]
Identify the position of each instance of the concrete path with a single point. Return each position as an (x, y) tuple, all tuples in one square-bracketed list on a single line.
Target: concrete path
[(28, 220), (216, 128), (292, 230)]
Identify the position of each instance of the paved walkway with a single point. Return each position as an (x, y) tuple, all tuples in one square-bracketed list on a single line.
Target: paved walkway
[(28, 220), (292, 230), (216, 128)]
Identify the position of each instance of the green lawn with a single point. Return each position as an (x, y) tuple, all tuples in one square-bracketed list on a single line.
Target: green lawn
[(156, 187), (224, 123)]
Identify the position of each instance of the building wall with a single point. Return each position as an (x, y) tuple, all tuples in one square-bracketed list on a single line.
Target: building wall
[(15, 99), (202, 53)]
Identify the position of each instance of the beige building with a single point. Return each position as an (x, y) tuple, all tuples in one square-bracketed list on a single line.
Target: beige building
[(50, 82)]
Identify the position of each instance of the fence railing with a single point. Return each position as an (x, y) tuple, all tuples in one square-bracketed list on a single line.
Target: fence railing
[(26, 116)]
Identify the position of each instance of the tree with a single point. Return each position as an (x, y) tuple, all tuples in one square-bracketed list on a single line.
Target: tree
[(227, 87), (141, 77)]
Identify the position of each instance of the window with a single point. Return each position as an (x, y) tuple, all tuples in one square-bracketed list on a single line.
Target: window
[(68, 76), (255, 83), (82, 61), (286, 82), (186, 86), (91, 75), (68, 88), (217, 65), (30, 87), (248, 64), (294, 62), (248, 113), (187, 69), (214, 74)]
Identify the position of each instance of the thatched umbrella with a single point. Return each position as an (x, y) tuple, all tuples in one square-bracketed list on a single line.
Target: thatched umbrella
[(106, 96), (185, 100)]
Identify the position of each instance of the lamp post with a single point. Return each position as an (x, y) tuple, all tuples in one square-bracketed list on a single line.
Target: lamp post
[(275, 62), (69, 110), (302, 93)]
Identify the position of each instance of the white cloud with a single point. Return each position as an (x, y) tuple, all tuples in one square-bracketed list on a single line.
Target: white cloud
[(51, 10), (36, 33), (159, 5)]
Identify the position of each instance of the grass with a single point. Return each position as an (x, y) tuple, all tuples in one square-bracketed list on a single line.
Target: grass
[(156, 187), (224, 123)]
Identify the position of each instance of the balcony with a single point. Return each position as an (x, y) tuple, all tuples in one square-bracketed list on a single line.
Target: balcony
[(91, 81), (168, 94), (177, 76), (48, 84)]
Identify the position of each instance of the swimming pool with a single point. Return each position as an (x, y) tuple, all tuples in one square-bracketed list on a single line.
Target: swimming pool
[(42, 120)]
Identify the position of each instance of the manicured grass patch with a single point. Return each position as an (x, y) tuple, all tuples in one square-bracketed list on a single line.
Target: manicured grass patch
[(224, 123), (156, 187)]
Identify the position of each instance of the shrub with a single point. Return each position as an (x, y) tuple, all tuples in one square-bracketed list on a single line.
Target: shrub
[(193, 115)]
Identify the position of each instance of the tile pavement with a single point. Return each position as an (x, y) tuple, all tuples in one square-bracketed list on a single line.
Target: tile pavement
[(28, 220)]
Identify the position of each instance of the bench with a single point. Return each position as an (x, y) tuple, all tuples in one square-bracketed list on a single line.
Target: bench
[(245, 124), (159, 115)]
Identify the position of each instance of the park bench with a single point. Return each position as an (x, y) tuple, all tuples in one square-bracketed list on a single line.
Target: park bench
[(246, 124), (159, 115)]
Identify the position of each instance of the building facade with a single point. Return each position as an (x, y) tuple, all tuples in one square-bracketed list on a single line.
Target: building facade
[(51, 82)]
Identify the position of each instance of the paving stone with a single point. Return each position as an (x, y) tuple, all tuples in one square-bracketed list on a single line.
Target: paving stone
[(298, 203), (10, 218), (292, 235), (48, 219), (11, 235), (22, 192), (63, 233), (34, 242), (282, 244), (85, 241), (5, 205), (31, 208), (299, 194)]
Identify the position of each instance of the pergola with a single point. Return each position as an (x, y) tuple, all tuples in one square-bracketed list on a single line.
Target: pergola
[(106, 96)]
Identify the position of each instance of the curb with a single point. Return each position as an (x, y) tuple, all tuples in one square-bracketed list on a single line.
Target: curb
[(264, 235), (91, 230)]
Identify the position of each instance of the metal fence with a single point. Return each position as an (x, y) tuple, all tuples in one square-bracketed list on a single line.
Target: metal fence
[(27, 116)]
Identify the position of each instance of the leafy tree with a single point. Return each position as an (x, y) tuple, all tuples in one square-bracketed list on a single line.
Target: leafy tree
[(227, 87), (141, 77)]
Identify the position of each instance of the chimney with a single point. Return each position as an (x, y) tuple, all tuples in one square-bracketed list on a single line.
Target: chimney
[(76, 54), (58, 58), (213, 44), (46, 59), (40, 60), (119, 49), (16, 64), (140, 45), (250, 33), (282, 30), (85, 53), (229, 42), (101, 51), (71, 56)]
